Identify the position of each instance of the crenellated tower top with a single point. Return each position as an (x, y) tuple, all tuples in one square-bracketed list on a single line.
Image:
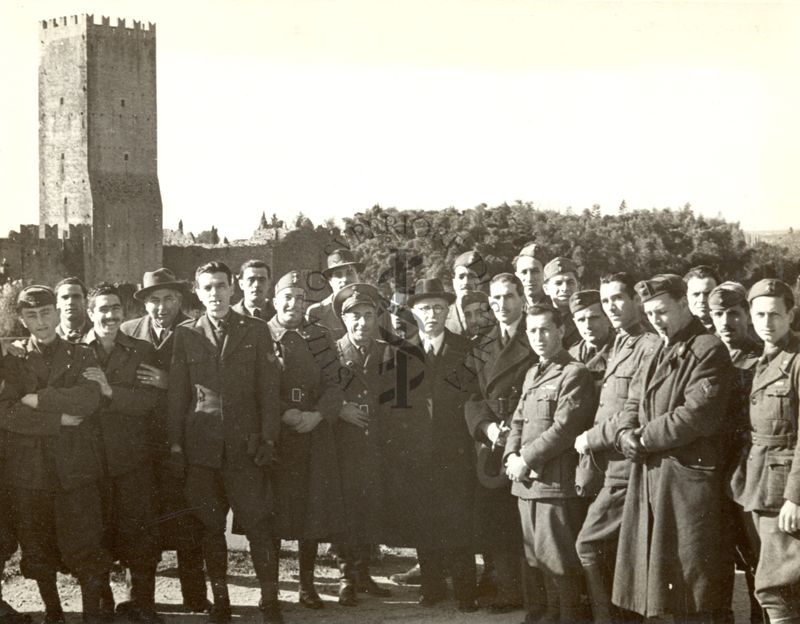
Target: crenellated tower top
[(65, 26)]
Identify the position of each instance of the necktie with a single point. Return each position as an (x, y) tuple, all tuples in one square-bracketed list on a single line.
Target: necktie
[(506, 338), (257, 312), (74, 335), (220, 331)]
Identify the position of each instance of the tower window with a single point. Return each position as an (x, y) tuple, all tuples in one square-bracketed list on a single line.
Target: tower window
[(122, 103), (126, 156), (65, 201), (62, 156), (61, 101)]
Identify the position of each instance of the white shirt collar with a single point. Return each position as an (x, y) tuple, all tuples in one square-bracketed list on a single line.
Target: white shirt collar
[(435, 342), (511, 329)]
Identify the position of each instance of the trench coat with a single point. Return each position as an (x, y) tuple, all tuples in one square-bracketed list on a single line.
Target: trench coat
[(428, 454), (500, 374), (40, 453), (670, 553), (308, 488), (363, 381)]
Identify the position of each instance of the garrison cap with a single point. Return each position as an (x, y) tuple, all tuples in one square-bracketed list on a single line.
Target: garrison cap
[(355, 294), (35, 296), (727, 295), (531, 250), (340, 258), (771, 288), (583, 299), (468, 259), (474, 296), (292, 279), (559, 265), (665, 283)]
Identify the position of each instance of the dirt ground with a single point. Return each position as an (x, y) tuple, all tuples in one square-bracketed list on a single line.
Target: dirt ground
[(400, 607)]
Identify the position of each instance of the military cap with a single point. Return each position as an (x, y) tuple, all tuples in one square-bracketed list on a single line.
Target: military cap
[(771, 288), (665, 283), (160, 278), (353, 295), (558, 266), (531, 250), (727, 295), (583, 299), (341, 258), (468, 259), (292, 279), (474, 296), (428, 289), (35, 296)]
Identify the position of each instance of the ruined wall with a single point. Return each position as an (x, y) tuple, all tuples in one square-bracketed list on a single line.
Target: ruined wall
[(43, 260)]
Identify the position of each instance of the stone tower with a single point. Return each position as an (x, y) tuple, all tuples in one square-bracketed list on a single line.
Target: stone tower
[(97, 143)]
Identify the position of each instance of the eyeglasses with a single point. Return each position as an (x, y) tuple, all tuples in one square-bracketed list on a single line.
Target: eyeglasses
[(425, 309)]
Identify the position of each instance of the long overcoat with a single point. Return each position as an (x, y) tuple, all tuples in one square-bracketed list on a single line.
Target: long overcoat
[(500, 372), (41, 454), (669, 555), (308, 487), (363, 381), (428, 453)]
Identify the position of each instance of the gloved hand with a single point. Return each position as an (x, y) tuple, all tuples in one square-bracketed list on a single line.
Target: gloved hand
[(630, 445), (266, 455)]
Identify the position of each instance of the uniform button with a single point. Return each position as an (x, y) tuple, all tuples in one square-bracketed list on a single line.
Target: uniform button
[(753, 400), (526, 420), (605, 385), (600, 404)]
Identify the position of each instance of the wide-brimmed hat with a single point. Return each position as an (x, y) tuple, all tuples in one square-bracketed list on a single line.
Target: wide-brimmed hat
[(428, 289), (160, 278), (341, 258), (356, 294)]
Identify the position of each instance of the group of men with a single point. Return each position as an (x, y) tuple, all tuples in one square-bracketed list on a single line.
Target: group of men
[(613, 453)]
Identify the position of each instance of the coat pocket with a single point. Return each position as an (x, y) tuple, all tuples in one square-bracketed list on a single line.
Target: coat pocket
[(778, 465)]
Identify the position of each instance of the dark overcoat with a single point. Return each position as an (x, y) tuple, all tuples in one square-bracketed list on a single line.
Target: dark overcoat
[(557, 404), (363, 381), (500, 372), (41, 454), (126, 418), (626, 358), (428, 453), (670, 551), (595, 361), (223, 404), (308, 487), (322, 314)]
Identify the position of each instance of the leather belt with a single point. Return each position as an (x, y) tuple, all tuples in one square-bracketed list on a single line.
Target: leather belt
[(785, 439)]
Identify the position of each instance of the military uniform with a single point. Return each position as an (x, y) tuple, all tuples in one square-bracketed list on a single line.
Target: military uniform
[(223, 398), (596, 360), (266, 312), (74, 335), (597, 540), (322, 314), (670, 545), (557, 404), (53, 470), (771, 475), (129, 483), (178, 528), (500, 370)]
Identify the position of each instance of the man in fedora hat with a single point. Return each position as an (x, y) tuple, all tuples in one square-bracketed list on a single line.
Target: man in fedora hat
[(222, 429), (363, 379), (467, 270), (254, 282), (342, 269), (162, 294), (429, 461)]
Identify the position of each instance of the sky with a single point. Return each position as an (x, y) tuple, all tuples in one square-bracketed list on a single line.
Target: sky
[(328, 107)]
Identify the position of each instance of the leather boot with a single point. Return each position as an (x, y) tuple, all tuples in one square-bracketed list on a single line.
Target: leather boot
[(143, 589), (193, 579), (568, 589), (48, 590), (347, 579), (364, 582), (308, 596), (92, 597), (221, 609), (264, 553), (599, 598), (534, 594), (8, 614)]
